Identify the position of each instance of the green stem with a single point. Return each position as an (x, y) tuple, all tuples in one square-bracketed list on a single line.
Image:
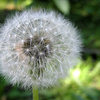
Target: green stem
[(35, 93)]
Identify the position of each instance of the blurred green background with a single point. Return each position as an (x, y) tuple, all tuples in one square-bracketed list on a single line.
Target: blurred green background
[(84, 80)]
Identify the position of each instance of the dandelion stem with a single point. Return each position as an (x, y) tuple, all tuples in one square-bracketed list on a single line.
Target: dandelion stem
[(35, 93)]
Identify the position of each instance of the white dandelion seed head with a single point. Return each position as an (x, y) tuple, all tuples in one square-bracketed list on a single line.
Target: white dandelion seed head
[(38, 48)]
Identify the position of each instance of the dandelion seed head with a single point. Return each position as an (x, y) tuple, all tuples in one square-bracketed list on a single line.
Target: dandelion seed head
[(38, 50)]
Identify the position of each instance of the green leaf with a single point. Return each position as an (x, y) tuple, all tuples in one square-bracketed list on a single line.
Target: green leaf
[(63, 6)]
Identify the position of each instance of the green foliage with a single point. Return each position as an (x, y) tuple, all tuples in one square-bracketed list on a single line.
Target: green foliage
[(63, 6), (82, 84), (87, 16), (14, 4)]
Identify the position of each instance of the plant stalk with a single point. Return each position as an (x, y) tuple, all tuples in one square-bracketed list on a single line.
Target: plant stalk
[(35, 93)]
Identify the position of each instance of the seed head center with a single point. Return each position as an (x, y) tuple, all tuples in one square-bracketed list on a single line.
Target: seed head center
[(37, 47)]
